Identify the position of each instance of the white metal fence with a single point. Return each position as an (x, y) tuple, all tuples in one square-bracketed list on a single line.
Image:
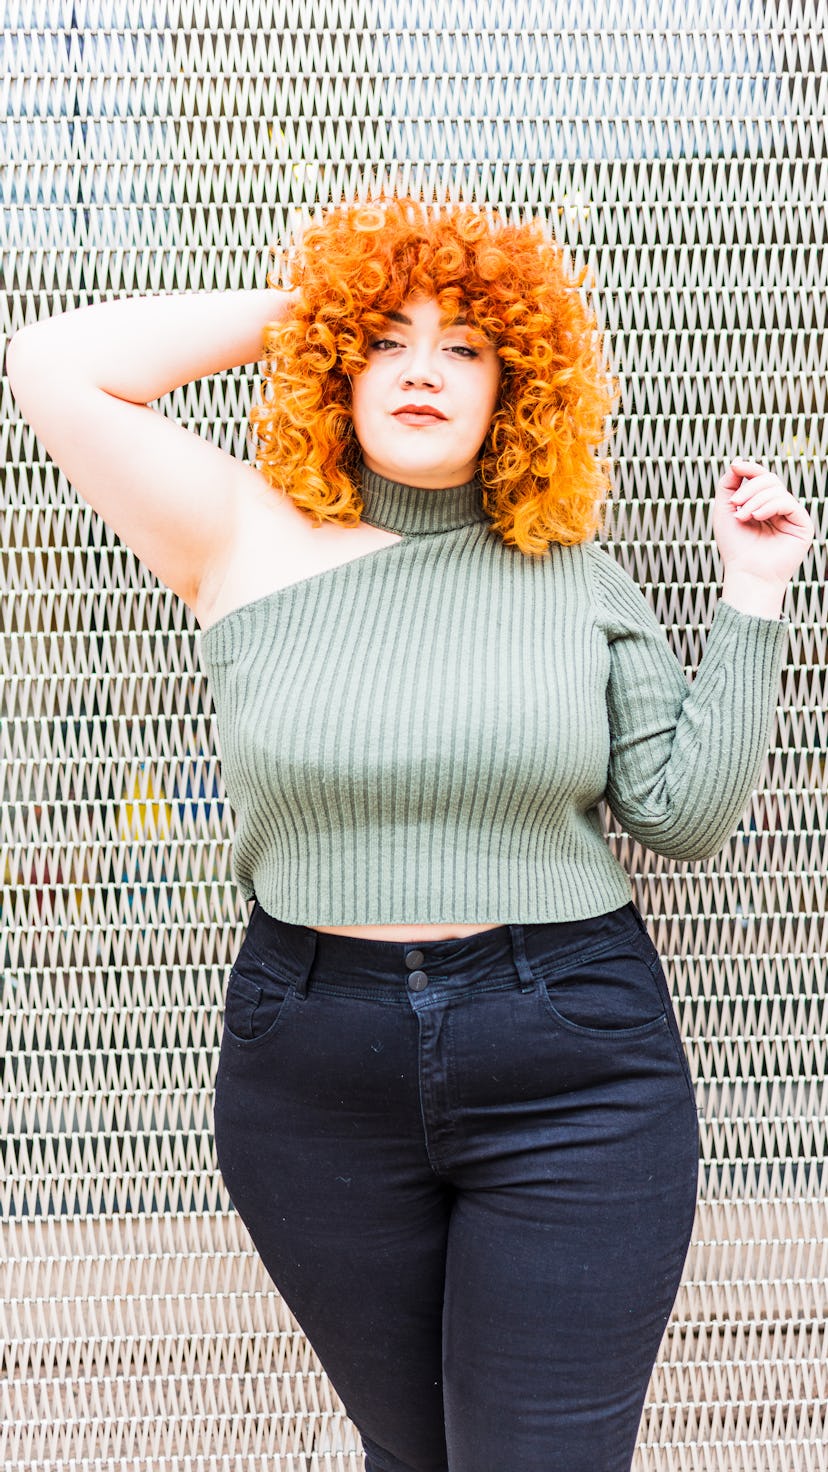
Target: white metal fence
[(162, 146)]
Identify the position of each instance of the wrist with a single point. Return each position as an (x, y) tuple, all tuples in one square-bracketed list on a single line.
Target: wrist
[(751, 593)]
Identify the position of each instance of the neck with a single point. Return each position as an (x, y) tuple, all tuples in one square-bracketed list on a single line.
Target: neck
[(420, 510)]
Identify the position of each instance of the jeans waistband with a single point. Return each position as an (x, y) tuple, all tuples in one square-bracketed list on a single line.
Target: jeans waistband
[(296, 951)]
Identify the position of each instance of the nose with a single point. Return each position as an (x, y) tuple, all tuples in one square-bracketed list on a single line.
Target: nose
[(420, 368)]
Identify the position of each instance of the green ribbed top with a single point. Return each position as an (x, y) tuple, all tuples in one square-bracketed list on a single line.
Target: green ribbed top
[(424, 734)]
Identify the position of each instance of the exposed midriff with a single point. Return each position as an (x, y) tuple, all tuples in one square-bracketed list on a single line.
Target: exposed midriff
[(404, 932)]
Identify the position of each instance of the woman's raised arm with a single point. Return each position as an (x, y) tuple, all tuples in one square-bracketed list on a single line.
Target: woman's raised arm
[(84, 381), (141, 347)]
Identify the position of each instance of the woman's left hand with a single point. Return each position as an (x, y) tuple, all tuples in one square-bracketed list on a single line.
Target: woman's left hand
[(759, 526)]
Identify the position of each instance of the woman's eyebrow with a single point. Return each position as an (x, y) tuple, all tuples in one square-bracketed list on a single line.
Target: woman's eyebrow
[(406, 321)]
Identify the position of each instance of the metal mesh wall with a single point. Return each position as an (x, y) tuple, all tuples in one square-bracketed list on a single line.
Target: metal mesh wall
[(163, 147)]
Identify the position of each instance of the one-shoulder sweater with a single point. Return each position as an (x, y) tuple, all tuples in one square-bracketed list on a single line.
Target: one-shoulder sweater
[(425, 733)]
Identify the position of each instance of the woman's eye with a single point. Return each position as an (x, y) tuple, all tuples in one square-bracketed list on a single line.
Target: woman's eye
[(459, 348)]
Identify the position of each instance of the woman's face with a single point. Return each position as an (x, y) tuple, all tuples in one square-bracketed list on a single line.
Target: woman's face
[(420, 362)]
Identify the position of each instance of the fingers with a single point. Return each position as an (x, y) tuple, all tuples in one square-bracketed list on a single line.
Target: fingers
[(765, 482), (747, 467), (730, 479), (746, 480), (741, 471), (763, 507), (773, 501), (754, 493)]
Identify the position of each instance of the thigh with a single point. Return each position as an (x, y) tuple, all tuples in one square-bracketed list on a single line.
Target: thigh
[(573, 1218), (319, 1141)]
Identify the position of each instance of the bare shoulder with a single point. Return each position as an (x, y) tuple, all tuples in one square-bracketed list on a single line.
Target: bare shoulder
[(188, 509), (275, 543)]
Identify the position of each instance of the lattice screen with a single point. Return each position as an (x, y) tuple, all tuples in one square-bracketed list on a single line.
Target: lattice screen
[(163, 147)]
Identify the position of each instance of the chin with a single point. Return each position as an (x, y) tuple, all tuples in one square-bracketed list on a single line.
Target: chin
[(422, 462)]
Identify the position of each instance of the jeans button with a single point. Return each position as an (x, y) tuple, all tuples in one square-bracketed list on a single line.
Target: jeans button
[(414, 958), (417, 980)]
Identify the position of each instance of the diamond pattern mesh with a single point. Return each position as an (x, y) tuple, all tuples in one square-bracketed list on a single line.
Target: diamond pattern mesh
[(163, 145)]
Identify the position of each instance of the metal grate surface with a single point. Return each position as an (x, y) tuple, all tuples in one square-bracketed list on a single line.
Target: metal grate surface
[(163, 145)]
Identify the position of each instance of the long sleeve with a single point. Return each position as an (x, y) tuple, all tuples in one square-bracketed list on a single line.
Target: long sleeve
[(684, 758)]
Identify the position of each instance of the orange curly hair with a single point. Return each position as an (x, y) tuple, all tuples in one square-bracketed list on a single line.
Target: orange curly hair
[(541, 482)]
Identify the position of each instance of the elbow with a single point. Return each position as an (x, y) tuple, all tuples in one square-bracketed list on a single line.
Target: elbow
[(24, 360), (675, 837), (13, 351), (22, 339)]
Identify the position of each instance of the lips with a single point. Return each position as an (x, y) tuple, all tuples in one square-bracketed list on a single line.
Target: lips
[(414, 414)]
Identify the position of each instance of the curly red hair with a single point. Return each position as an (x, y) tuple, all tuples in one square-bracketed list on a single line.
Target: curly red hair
[(541, 481)]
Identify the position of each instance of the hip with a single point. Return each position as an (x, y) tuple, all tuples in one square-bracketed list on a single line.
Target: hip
[(586, 995)]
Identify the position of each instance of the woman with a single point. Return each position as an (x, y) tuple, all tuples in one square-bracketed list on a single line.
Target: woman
[(452, 1104)]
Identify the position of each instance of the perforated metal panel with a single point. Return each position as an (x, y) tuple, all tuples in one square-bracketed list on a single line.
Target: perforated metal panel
[(163, 147)]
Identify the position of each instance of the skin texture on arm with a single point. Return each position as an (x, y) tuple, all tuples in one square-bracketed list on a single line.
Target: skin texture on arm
[(139, 348), (84, 381)]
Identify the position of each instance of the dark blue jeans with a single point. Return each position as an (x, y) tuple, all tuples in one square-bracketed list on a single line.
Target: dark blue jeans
[(469, 1166)]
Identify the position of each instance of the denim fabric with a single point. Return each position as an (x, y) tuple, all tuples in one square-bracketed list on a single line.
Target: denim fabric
[(471, 1174)]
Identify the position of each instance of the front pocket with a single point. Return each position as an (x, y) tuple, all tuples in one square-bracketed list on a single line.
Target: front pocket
[(253, 1009), (612, 994)]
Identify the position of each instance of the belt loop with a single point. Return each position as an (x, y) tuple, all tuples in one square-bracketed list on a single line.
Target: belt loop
[(307, 953), (524, 970)]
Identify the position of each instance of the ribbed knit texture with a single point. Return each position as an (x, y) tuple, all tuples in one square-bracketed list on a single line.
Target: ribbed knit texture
[(423, 734)]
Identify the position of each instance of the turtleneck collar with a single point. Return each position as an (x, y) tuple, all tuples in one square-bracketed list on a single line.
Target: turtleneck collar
[(413, 510)]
